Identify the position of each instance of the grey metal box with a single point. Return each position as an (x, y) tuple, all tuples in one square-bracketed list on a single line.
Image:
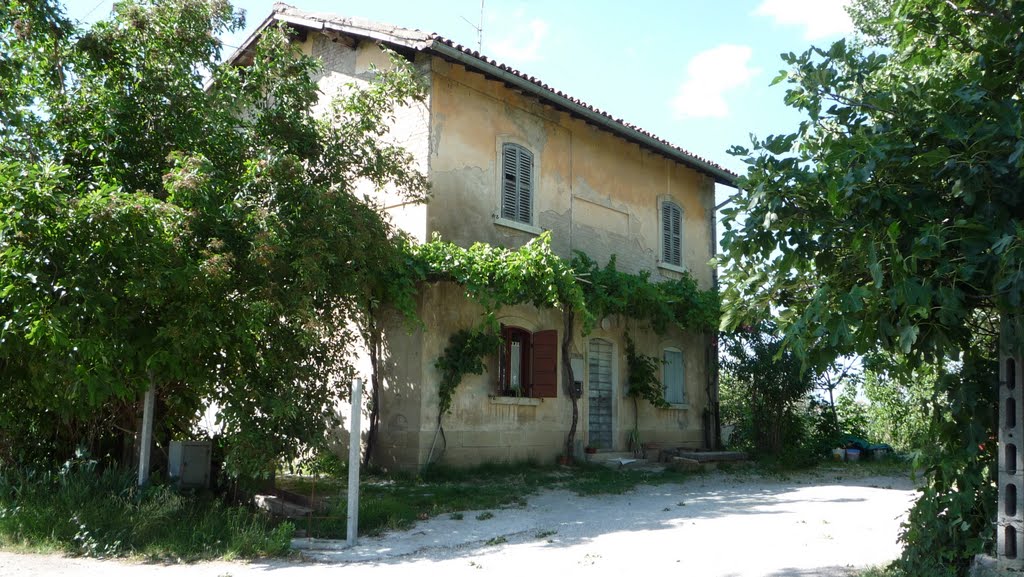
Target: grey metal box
[(189, 463)]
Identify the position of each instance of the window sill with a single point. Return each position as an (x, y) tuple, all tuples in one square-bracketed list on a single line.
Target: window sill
[(672, 267), (518, 401), (678, 407), (521, 226)]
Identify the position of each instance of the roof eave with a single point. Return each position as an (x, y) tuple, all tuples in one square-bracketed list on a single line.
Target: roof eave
[(720, 175)]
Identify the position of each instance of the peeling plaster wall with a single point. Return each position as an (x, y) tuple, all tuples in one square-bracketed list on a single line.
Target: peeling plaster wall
[(345, 62), (348, 62), (596, 193), (480, 428), (484, 428)]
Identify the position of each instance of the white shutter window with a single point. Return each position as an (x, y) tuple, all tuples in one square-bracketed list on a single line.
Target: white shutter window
[(674, 377), (516, 183), (671, 234)]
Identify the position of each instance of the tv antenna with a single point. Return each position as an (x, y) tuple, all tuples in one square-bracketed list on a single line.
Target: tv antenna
[(478, 27)]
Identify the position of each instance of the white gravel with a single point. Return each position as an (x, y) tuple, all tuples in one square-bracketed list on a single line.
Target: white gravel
[(716, 525)]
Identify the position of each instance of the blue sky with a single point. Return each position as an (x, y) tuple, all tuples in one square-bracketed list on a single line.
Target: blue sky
[(693, 72)]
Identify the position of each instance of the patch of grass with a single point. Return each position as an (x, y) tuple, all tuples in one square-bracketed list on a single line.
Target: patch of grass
[(780, 467), (455, 516), (545, 534), (497, 540), (103, 514), (397, 501), (593, 479), (485, 516)]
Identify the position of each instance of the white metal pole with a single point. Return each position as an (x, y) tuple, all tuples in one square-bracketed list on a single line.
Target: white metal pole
[(146, 439), (353, 462)]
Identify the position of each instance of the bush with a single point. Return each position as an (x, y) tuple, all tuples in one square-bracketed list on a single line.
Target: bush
[(82, 511), (764, 391)]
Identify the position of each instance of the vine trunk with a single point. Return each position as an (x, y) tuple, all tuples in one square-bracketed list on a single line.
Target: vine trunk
[(569, 320)]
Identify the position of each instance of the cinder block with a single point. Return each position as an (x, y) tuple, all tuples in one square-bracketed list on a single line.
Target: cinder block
[(1011, 498), (1010, 545)]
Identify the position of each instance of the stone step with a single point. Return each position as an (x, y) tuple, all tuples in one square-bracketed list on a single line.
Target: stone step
[(277, 506), (712, 456), (608, 455), (623, 460)]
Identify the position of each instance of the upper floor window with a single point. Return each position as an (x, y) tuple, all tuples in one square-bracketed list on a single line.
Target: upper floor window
[(674, 377), (671, 233), (516, 183)]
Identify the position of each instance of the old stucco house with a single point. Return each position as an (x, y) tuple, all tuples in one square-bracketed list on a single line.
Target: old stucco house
[(509, 157)]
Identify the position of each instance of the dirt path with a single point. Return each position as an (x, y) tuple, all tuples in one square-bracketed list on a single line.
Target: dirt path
[(716, 526)]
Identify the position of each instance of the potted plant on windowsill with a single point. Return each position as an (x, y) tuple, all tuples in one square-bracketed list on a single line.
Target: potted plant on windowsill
[(590, 449)]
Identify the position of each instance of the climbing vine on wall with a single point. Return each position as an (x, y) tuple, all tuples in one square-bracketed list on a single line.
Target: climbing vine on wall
[(643, 379), (678, 302), (533, 274), (495, 277), (464, 355)]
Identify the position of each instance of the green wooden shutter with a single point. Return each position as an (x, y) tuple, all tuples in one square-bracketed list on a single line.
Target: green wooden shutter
[(674, 377), (671, 234), (509, 193), (516, 183), (525, 186)]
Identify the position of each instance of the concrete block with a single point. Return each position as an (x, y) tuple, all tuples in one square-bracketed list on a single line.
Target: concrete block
[(1010, 545), (1011, 499), (985, 566)]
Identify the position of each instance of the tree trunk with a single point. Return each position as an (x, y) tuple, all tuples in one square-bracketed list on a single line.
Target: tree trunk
[(373, 340), (713, 421)]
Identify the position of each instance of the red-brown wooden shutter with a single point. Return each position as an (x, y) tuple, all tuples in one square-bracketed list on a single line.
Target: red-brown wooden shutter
[(545, 364)]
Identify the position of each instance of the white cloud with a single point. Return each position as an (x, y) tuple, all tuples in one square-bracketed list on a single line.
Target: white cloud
[(819, 18), (521, 43), (710, 75)]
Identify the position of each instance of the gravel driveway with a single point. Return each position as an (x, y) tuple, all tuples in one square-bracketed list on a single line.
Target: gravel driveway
[(716, 525)]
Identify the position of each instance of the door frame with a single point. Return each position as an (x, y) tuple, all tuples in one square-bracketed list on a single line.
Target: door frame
[(613, 393)]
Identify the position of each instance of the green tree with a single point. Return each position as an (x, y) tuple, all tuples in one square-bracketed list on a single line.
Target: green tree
[(764, 389), (900, 401), (168, 220), (891, 219)]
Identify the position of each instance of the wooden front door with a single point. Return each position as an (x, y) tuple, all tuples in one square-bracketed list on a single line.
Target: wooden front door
[(599, 394)]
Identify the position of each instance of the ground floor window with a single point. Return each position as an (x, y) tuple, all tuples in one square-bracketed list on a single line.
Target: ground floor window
[(528, 363), (674, 377)]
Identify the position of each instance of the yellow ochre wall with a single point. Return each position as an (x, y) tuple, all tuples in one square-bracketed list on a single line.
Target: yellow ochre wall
[(594, 191)]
